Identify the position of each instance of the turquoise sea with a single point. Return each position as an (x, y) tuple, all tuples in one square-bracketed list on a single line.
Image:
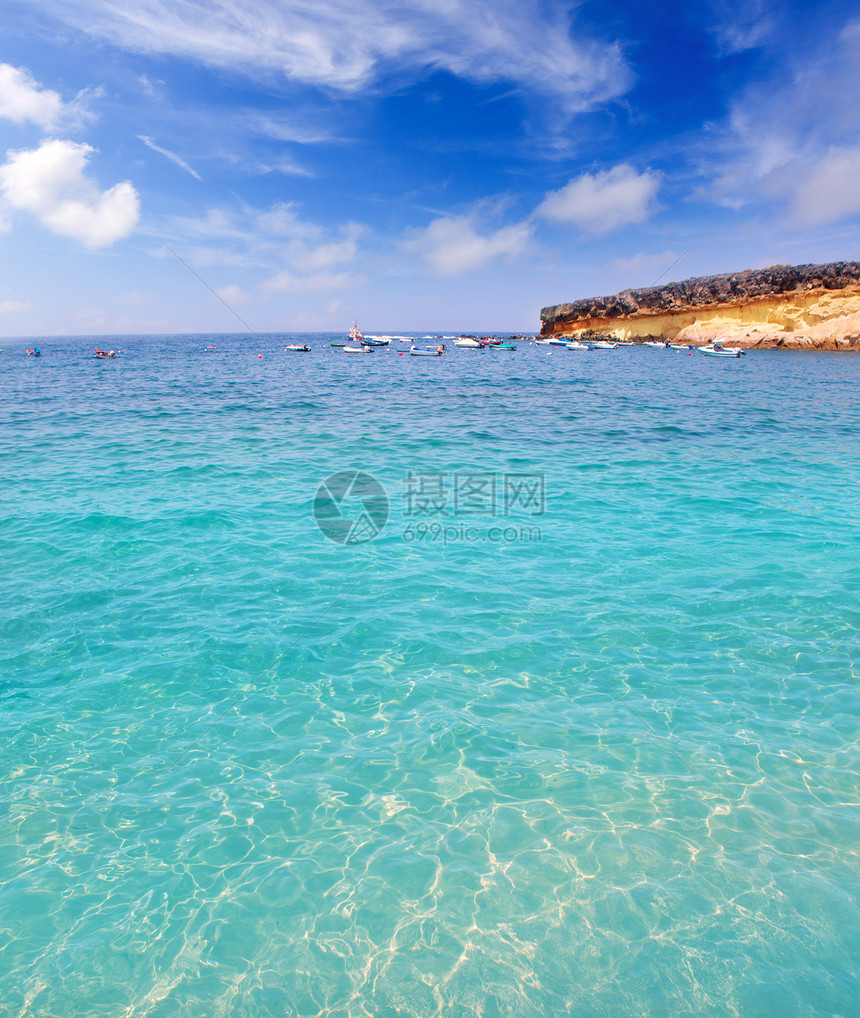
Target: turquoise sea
[(576, 733)]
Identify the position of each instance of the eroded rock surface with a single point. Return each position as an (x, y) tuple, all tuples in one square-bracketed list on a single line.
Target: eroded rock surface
[(790, 306)]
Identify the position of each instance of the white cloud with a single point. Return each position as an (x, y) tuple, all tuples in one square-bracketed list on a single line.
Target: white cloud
[(740, 27), (152, 89), (300, 256), (232, 294), (325, 256), (348, 46), (50, 183), (793, 139), (172, 156), (283, 219), (308, 247), (451, 245), (302, 130), (830, 191), (12, 307), (312, 258), (287, 282), (24, 100), (284, 166), (602, 201)]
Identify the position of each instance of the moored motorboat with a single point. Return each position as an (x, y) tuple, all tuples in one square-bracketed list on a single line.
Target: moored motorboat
[(661, 343), (557, 341), (417, 351), (467, 343), (358, 349), (718, 350), (602, 344), (574, 344), (296, 348), (105, 354)]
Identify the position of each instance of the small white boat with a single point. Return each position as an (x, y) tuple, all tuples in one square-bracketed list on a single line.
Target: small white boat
[(557, 341), (296, 348), (602, 344), (357, 349), (718, 350), (661, 343), (466, 343), (377, 340), (419, 352), (574, 344)]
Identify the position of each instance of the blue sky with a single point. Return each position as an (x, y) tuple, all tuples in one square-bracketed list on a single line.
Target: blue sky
[(418, 164)]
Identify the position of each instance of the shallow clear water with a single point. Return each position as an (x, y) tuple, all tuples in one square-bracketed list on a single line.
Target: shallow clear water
[(598, 761)]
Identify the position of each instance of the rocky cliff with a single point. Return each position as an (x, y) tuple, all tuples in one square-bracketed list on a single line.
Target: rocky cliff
[(790, 306)]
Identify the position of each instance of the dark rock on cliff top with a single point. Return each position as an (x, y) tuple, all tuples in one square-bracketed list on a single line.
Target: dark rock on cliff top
[(708, 291)]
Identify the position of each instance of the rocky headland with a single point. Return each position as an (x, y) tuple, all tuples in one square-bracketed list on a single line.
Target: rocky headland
[(794, 307)]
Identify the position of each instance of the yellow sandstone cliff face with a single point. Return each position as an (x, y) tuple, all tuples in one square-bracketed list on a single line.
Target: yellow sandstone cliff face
[(813, 320), (793, 307)]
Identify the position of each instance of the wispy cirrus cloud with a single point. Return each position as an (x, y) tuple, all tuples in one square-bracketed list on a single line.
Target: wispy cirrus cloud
[(314, 282), (13, 307), (285, 251), (172, 156), (740, 27), (352, 46), (285, 167), (794, 140), (830, 190)]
